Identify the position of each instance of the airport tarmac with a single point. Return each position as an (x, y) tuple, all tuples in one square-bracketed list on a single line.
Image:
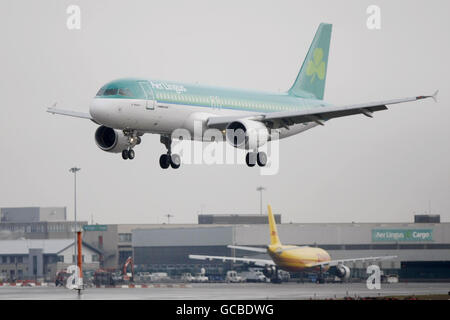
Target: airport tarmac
[(222, 291)]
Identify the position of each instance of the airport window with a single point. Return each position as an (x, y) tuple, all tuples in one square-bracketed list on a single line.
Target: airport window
[(384, 246), (4, 259), (438, 246), (95, 258), (357, 246), (411, 246), (60, 258), (110, 92), (19, 259), (124, 237)]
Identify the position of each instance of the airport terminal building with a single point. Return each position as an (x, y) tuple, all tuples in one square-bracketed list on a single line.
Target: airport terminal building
[(422, 249)]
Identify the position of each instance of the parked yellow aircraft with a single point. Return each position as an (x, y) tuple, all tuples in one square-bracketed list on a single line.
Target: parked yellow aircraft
[(292, 258)]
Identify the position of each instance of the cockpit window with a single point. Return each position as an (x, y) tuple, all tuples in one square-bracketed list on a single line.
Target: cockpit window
[(110, 92), (100, 92), (122, 89), (125, 92)]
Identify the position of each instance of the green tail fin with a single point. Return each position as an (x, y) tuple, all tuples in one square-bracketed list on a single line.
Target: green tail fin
[(310, 82)]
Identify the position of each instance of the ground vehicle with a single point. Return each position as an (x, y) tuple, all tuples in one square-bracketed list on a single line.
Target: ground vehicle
[(187, 277), (61, 278), (104, 277), (390, 278), (255, 276), (232, 276), (143, 277), (128, 276), (200, 277), (159, 277)]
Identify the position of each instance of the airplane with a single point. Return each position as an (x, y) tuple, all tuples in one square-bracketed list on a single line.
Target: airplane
[(126, 109), (292, 258)]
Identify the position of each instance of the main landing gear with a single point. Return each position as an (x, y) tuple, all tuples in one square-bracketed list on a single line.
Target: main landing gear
[(320, 277), (168, 159), (253, 158), (128, 154)]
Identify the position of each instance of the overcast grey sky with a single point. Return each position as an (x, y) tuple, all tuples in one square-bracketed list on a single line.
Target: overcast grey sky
[(354, 169)]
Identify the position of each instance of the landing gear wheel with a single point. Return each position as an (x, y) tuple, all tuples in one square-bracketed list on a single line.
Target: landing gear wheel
[(139, 140), (125, 154), (250, 159), (164, 161), (262, 159), (175, 161), (131, 154)]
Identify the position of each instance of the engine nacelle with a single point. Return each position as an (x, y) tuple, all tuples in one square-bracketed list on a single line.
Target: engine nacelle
[(111, 140), (343, 272), (247, 134)]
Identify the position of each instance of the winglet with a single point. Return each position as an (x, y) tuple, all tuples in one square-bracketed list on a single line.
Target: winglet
[(434, 96)]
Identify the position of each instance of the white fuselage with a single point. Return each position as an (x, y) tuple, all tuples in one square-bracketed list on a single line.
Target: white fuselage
[(163, 118)]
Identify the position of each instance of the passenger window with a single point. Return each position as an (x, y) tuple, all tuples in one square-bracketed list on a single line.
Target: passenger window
[(110, 92)]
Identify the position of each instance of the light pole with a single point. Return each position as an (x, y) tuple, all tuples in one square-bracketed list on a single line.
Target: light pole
[(260, 189), (74, 170), (168, 217)]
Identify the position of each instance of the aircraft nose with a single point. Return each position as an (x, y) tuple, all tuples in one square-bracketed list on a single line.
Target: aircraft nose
[(98, 110)]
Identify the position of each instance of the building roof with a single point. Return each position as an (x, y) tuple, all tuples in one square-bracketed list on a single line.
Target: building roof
[(49, 246)]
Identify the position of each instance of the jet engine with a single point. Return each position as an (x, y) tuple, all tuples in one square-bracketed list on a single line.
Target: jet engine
[(247, 134), (343, 272), (111, 140)]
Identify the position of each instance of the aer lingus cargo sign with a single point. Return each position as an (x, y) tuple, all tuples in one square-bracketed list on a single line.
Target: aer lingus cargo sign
[(402, 235)]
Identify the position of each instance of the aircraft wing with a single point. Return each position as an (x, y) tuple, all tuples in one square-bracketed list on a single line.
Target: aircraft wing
[(262, 250), (333, 263), (257, 262), (70, 113), (318, 115)]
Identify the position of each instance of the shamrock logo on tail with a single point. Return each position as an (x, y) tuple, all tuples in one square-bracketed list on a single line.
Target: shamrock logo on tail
[(316, 67)]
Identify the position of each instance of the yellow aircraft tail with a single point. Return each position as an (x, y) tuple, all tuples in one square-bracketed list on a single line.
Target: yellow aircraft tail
[(273, 228)]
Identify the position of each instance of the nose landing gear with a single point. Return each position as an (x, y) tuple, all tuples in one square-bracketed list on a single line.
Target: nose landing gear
[(169, 159), (133, 140)]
